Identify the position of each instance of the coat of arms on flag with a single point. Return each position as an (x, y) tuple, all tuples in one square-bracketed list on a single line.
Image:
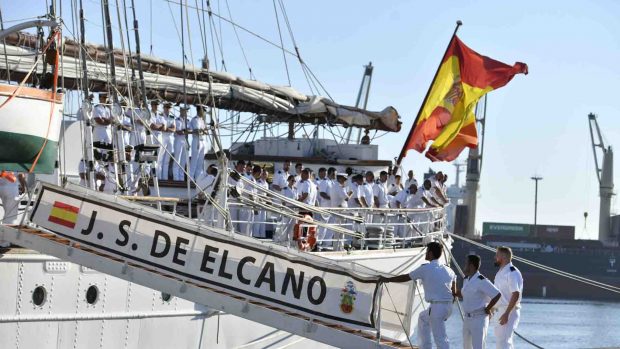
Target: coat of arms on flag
[(64, 214)]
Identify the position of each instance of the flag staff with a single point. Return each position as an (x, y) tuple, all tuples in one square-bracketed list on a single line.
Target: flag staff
[(404, 150)]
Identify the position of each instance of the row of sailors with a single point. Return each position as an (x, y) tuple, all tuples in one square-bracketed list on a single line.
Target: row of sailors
[(330, 189), (168, 131)]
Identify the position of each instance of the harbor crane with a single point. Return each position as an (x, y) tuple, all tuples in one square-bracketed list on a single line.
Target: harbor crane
[(604, 161)]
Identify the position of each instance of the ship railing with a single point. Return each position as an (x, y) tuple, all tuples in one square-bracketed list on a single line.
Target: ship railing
[(371, 228)]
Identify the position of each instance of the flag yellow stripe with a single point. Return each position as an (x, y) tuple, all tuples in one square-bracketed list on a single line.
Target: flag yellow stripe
[(64, 214)]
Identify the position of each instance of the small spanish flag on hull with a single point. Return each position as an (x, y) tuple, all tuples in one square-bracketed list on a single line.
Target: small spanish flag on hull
[(64, 214)]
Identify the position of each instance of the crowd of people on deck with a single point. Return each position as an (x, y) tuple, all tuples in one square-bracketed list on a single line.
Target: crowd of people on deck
[(327, 188)]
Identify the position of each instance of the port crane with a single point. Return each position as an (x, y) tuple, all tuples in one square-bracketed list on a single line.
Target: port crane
[(604, 161)]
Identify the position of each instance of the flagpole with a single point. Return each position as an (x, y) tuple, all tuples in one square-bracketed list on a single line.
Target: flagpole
[(404, 150)]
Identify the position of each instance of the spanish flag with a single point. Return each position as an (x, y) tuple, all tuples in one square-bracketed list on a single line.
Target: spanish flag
[(63, 214), (447, 114)]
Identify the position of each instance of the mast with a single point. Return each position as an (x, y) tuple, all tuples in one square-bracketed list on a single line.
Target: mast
[(110, 50), (138, 55), (86, 106)]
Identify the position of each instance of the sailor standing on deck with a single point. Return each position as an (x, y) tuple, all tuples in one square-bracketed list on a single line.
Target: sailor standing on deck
[(237, 214), (180, 144), (168, 141), (280, 178), (285, 233), (439, 282), (199, 143), (102, 129), (479, 296), (510, 283), (258, 228), (158, 125)]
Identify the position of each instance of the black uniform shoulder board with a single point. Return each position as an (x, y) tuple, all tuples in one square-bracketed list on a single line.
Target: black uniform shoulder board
[(513, 268), (481, 277), (279, 172)]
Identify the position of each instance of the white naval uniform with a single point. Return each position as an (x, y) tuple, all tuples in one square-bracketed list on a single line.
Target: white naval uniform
[(102, 133), (324, 186), (198, 147), (285, 233), (237, 214), (158, 139), (437, 281), (180, 150), (408, 182), (477, 292), (168, 145), (355, 194), (402, 197), (507, 280), (139, 134), (305, 186), (366, 191), (258, 228), (280, 179), (338, 195)]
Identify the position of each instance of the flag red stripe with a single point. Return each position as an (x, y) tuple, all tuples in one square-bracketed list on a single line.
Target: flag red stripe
[(61, 221), (481, 71), (66, 207)]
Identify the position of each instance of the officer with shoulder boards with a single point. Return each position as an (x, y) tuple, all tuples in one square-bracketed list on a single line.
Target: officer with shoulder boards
[(439, 282), (510, 283), (479, 296)]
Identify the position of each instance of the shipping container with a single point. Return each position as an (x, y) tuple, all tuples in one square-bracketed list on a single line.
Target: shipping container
[(505, 229), (559, 232)]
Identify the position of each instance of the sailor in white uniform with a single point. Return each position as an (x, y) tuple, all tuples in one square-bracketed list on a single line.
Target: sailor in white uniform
[(439, 282), (284, 234), (324, 190), (258, 228), (339, 198), (237, 214), (158, 125), (479, 297), (401, 200), (180, 144), (102, 129), (280, 178), (509, 281), (167, 149), (199, 143), (304, 188)]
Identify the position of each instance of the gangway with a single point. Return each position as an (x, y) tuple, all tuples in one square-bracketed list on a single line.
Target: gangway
[(295, 292)]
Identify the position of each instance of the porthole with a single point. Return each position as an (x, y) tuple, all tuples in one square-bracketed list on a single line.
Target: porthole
[(166, 297), (39, 296), (92, 294)]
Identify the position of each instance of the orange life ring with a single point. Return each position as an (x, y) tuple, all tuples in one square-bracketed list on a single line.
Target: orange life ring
[(8, 175), (305, 235)]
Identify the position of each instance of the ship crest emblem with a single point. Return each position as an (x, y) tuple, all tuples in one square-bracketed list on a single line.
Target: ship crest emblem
[(347, 297)]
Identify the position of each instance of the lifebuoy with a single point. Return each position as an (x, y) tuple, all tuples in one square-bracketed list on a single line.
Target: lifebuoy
[(305, 234)]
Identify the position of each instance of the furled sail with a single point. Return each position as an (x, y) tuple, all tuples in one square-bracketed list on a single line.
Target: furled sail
[(164, 80)]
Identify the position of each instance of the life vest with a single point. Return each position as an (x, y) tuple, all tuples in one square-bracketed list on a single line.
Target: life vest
[(9, 176), (305, 234)]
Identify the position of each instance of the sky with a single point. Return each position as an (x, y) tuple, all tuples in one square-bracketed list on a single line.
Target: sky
[(537, 124)]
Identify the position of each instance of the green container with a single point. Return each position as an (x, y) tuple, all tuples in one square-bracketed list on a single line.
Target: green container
[(505, 229)]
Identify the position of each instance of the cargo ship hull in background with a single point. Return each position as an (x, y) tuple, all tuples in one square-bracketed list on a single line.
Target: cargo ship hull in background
[(551, 246)]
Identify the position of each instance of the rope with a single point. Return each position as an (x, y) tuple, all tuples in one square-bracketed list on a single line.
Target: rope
[(398, 315), (546, 268)]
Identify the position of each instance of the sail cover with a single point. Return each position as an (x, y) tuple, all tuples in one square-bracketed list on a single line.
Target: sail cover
[(164, 80)]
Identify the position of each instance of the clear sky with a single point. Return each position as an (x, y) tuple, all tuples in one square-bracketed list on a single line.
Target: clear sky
[(537, 124)]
